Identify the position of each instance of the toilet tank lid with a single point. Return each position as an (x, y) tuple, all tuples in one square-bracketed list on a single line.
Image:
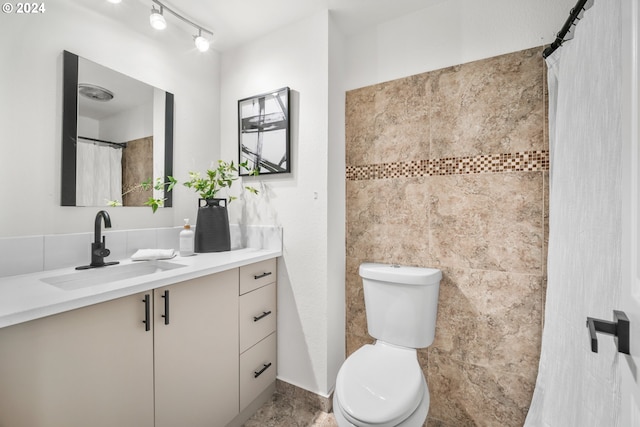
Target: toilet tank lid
[(400, 274)]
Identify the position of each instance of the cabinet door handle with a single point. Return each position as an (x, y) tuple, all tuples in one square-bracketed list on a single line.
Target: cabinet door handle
[(260, 276), (147, 313), (165, 295), (265, 366), (262, 316)]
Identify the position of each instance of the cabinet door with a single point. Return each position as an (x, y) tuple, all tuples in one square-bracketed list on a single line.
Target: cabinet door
[(196, 352), (86, 367)]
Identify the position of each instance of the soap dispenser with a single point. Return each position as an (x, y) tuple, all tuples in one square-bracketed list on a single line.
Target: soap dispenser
[(186, 239)]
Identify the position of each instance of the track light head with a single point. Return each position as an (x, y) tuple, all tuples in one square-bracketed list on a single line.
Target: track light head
[(201, 43), (156, 19)]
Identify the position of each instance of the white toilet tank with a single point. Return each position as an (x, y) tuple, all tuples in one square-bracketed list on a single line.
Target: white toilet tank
[(401, 303)]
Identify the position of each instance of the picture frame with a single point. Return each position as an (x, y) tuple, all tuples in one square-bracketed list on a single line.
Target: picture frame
[(264, 132)]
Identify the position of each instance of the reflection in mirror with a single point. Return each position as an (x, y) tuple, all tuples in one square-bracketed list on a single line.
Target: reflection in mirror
[(117, 134)]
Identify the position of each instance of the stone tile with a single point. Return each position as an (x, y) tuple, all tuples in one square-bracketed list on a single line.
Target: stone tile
[(432, 422), (388, 122), (388, 201), (391, 243), (359, 123), (447, 383), (387, 221), (289, 410), (489, 106), (298, 394), (356, 319), (487, 221), (490, 318), (472, 395)]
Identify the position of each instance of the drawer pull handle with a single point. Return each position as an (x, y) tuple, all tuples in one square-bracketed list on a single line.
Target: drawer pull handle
[(262, 316), (260, 276), (265, 366)]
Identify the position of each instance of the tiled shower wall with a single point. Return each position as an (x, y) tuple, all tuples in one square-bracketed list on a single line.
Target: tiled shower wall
[(137, 167), (449, 169)]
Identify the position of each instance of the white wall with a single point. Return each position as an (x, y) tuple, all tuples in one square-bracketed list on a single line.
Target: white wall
[(31, 108), (336, 219), (294, 56), (129, 125), (451, 32)]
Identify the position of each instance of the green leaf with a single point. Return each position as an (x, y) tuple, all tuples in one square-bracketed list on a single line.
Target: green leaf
[(172, 183), (146, 184), (251, 189), (154, 203)]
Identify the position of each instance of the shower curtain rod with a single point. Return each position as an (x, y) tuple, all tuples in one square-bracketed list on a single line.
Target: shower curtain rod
[(117, 144), (571, 21)]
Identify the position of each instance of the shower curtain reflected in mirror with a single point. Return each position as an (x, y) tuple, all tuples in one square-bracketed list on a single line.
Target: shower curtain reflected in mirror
[(98, 174), (576, 387)]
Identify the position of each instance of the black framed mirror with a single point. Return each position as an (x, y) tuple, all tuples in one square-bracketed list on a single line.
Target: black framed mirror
[(109, 118)]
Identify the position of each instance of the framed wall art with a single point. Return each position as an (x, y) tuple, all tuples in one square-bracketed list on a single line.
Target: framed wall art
[(263, 132)]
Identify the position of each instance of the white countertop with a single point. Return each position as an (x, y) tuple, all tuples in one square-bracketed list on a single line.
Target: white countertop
[(27, 297)]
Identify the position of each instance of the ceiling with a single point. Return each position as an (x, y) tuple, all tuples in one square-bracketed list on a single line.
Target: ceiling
[(235, 22)]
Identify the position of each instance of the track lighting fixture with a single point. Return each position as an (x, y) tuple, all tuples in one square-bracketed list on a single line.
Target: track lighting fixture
[(158, 22), (156, 19)]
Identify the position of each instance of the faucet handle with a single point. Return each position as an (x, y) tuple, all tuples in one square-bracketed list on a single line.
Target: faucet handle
[(102, 252)]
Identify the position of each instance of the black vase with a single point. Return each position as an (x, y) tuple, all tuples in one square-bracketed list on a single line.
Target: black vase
[(212, 226)]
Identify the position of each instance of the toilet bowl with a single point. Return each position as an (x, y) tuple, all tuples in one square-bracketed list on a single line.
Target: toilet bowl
[(383, 385)]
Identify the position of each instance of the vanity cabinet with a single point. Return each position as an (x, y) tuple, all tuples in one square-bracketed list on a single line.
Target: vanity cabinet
[(88, 367), (195, 353)]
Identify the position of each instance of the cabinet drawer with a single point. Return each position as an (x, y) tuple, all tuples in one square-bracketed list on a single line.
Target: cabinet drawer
[(254, 276), (257, 315), (257, 369)]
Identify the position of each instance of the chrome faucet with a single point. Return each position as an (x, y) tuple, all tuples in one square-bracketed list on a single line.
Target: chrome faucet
[(99, 250)]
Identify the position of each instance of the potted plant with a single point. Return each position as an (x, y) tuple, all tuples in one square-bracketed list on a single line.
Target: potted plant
[(212, 222)]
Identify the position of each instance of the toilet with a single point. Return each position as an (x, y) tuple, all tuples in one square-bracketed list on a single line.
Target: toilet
[(382, 384)]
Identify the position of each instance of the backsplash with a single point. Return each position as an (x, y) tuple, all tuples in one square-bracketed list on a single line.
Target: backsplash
[(449, 169), (29, 254)]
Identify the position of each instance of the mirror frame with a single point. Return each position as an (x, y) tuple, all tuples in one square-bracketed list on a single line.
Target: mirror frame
[(70, 63)]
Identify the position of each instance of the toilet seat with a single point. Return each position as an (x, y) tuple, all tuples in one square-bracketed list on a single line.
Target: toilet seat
[(380, 385)]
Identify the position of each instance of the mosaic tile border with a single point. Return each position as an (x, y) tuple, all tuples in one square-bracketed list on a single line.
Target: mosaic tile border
[(526, 161)]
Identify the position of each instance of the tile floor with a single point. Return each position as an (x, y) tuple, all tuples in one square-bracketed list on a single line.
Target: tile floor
[(288, 411)]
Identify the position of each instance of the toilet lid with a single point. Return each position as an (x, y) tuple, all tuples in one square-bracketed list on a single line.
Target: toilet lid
[(380, 384)]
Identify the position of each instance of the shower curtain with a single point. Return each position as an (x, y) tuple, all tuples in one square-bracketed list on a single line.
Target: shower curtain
[(575, 387), (98, 174)]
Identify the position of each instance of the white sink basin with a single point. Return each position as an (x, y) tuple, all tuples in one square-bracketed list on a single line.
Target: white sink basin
[(113, 273)]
